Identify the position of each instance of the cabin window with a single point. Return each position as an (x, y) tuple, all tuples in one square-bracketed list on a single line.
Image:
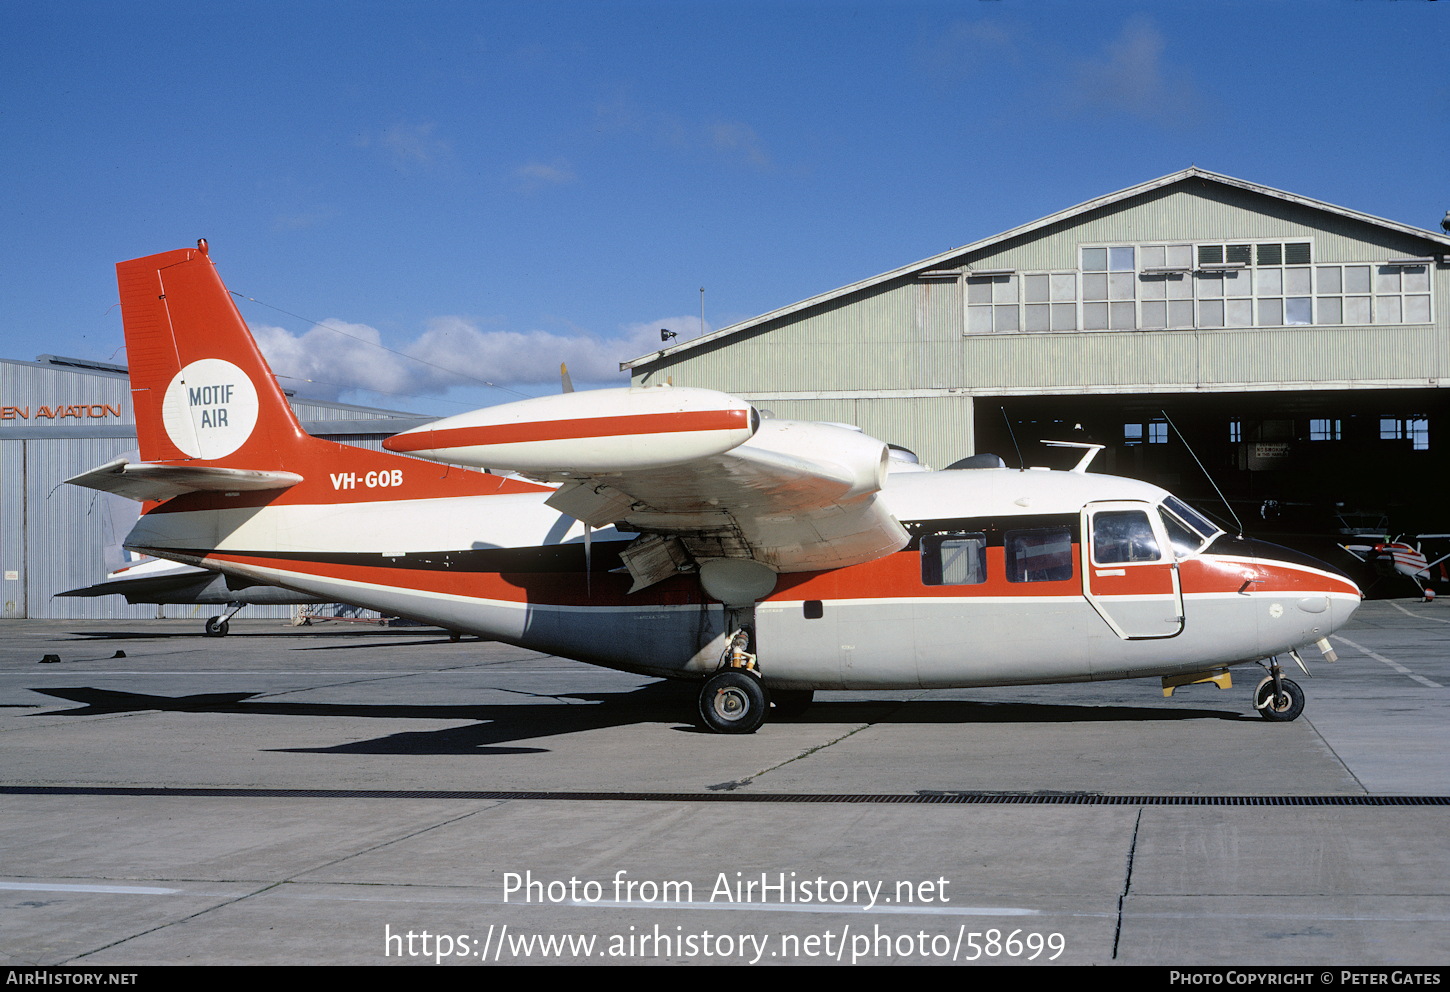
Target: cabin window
[(1122, 536), (953, 558), (1040, 555)]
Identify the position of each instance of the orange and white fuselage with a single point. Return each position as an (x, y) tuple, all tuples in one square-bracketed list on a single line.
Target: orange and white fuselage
[(875, 579)]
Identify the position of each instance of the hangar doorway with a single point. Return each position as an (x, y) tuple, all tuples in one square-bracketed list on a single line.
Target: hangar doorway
[(1310, 463)]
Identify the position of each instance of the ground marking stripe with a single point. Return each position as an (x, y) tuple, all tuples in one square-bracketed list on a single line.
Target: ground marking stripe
[(129, 890), (1418, 616), (1393, 664)]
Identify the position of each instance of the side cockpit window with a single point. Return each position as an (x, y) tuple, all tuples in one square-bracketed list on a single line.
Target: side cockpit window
[(1040, 555), (953, 559), (1123, 536), (1184, 540), (1188, 529)]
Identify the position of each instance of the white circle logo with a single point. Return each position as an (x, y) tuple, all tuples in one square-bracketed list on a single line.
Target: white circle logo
[(210, 409)]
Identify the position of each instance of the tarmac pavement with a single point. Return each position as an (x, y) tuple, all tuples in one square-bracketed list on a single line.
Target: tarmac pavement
[(314, 795)]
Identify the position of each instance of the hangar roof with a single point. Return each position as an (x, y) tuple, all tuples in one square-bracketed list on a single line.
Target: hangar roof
[(955, 255)]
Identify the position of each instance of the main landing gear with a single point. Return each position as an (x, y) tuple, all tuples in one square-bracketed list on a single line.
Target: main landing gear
[(734, 700)]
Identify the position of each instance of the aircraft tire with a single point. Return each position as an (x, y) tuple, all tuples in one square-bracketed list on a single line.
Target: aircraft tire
[(791, 703), (1286, 708), (217, 627), (733, 702)]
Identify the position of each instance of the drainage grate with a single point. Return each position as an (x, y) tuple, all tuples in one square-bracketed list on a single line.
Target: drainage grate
[(915, 798)]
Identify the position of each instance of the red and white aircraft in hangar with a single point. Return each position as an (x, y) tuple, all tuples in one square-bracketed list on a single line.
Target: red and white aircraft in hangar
[(674, 532)]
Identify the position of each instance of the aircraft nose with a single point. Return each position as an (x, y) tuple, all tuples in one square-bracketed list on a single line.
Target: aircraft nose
[(1327, 596)]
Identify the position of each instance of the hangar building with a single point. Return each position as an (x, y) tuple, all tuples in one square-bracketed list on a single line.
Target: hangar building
[(60, 417), (1300, 348)]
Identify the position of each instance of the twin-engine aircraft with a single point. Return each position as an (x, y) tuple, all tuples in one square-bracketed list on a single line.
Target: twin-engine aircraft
[(676, 532)]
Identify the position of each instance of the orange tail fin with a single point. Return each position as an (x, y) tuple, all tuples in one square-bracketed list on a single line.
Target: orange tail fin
[(201, 390)]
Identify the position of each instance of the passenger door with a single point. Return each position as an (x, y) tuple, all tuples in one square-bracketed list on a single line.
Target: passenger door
[(1129, 573)]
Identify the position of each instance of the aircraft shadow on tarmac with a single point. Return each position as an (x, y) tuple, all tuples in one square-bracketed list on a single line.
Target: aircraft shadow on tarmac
[(659, 702)]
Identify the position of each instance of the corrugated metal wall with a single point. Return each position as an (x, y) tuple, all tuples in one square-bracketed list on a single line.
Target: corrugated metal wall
[(50, 534)]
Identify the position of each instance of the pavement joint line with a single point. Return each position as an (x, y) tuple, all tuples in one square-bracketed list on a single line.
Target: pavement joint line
[(1330, 748), (392, 840), (740, 782), (1127, 882), (170, 923), (280, 882), (1389, 661)]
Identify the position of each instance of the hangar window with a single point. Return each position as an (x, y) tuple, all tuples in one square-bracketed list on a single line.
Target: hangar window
[(1413, 429), (1040, 555), (1378, 294), (953, 559), (1324, 430), (1132, 434), (992, 305), (1158, 432), (1168, 286)]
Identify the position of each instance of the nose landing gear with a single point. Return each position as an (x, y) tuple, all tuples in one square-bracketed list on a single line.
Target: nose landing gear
[(1277, 698)]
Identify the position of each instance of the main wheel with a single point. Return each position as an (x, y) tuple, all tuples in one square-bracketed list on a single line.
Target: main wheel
[(791, 703), (217, 627), (733, 702), (1287, 706)]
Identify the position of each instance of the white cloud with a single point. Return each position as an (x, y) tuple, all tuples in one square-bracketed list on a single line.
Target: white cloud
[(1131, 78), (970, 47), (534, 176), (740, 141), (333, 359), (410, 145)]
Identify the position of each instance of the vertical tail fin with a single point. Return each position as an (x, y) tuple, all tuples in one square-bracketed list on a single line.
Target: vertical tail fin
[(201, 390)]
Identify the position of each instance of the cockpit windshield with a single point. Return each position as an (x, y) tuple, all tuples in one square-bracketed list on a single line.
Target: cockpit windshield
[(1188, 530)]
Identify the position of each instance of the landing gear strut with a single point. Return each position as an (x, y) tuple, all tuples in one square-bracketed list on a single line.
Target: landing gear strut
[(1277, 698), (734, 700)]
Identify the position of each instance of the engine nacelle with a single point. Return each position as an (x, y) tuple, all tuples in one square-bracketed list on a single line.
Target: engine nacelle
[(587, 433)]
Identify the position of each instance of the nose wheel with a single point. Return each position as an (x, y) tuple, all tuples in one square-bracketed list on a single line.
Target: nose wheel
[(1282, 703)]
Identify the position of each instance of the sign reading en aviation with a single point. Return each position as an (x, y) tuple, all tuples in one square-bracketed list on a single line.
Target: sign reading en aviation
[(61, 410)]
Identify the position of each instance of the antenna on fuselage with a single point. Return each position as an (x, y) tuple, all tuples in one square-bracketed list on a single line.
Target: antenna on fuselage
[(1021, 465), (1205, 471), (1092, 449)]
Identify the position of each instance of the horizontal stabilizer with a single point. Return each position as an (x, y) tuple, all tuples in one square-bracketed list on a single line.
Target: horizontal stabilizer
[(157, 480)]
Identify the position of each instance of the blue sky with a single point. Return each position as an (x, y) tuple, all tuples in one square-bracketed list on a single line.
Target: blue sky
[(494, 188)]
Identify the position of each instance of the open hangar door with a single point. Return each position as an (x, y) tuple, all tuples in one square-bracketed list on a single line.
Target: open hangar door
[(1312, 470)]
